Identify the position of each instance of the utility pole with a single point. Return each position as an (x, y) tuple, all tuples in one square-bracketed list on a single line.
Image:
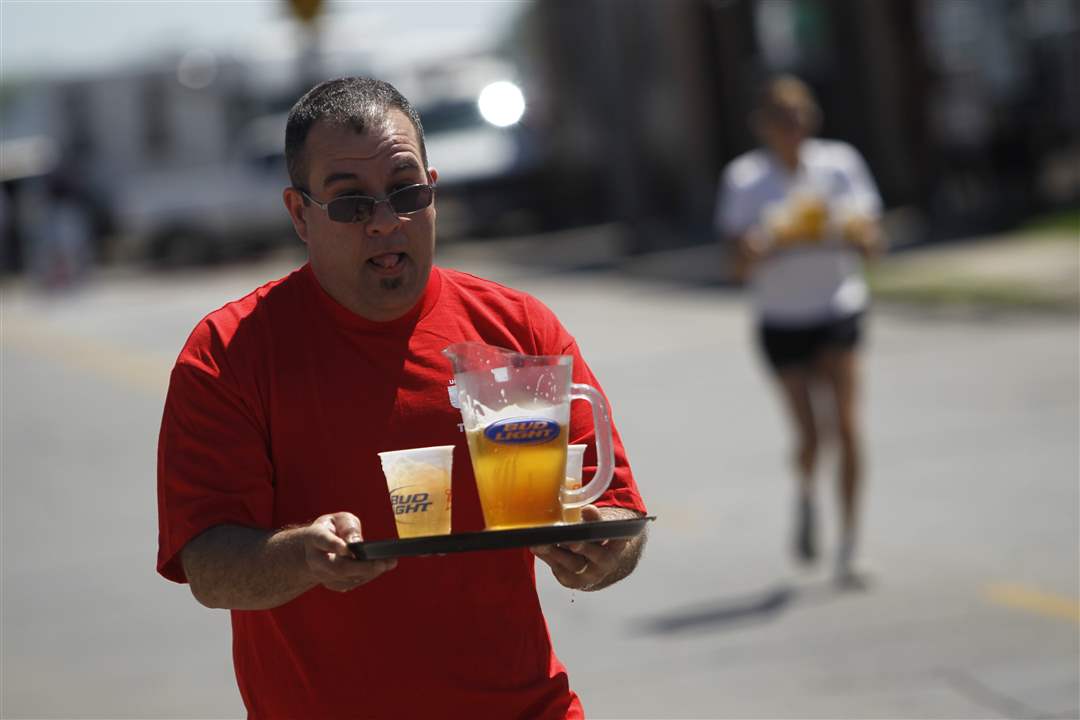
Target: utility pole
[(308, 63)]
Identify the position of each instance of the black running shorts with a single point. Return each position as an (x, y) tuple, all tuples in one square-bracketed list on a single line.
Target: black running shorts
[(791, 347)]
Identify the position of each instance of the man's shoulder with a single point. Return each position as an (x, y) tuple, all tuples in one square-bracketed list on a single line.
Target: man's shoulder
[(224, 323), (746, 170), (468, 286), (492, 305), (831, 153)]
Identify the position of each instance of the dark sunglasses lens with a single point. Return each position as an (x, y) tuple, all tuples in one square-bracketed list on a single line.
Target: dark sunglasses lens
[(411, 199), (349, 209)]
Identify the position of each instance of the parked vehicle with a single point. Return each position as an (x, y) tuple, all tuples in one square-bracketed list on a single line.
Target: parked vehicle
[(205, 212)]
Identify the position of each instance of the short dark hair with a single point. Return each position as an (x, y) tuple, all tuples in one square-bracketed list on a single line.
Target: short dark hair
[(789, 91), (356, 102)]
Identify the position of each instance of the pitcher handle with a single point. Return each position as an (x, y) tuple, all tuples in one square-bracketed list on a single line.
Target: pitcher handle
[(605, 452)]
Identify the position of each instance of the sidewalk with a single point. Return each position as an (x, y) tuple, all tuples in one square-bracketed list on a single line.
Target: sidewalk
[(1025, 270)]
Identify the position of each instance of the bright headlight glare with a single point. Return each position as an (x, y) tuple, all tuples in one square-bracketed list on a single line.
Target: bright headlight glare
[(501, 103)]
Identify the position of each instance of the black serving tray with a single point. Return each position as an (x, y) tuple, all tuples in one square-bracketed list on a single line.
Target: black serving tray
[(499, 539)]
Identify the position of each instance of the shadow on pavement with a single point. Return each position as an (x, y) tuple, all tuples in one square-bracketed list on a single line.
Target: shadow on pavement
[(737, 612)]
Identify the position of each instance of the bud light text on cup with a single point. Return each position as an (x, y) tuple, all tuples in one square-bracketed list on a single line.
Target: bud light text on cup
[(410, 503), (528, 431)]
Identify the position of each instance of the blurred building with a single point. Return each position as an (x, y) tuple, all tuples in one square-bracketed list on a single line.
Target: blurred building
[(966, 111), (166, 157), (180, 158)]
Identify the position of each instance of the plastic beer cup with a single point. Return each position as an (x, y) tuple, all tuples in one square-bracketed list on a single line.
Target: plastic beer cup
[(575, 454), (420, 489)]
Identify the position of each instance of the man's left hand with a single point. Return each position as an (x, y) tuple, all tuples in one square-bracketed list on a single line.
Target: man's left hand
[(597, 564), (865, 234)]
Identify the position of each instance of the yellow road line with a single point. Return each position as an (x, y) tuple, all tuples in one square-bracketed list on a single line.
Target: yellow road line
[(1036, 601), (141, 371)]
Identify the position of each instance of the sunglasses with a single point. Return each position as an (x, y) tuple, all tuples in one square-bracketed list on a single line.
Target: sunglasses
[(361, 208)]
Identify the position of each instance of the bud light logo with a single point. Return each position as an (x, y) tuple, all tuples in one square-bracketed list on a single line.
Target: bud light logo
[(522, 432), (406, 503)]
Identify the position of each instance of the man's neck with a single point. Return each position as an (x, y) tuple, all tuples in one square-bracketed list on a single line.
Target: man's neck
[(789, 160)]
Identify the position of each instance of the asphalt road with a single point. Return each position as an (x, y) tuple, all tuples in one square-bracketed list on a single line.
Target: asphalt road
[(971, 523)]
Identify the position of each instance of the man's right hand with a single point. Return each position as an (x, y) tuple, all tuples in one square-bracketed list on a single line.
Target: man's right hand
[(242, 568), (751, 248), (329, 559)]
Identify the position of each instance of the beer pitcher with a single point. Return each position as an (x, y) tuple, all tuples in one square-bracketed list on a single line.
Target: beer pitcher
[(516, 413)]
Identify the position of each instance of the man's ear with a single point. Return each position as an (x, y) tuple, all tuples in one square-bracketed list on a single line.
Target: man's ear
[(433, 175), (294, 203)]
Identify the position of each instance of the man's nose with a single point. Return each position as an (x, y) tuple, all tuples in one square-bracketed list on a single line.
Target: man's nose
[(384, 219)]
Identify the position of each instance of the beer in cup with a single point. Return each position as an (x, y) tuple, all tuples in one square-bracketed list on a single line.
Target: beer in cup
[(802, 217), (809, 215), (520, 467), (420, 490), (575, 454)]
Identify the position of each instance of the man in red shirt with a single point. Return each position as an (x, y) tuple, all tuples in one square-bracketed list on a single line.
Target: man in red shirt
[(267, 462)]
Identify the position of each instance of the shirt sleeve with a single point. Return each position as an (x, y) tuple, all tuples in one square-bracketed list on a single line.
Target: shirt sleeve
[(552, 338), (735, 212), (213, 462), (862, 190)]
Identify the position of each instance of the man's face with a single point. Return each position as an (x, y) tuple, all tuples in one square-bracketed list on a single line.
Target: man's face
[(784, 126), (379, 268)]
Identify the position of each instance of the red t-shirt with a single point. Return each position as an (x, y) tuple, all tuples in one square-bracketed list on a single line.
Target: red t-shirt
[(276, 409)]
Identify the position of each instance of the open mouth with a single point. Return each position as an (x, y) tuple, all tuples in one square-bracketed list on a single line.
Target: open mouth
[(388, 262)]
